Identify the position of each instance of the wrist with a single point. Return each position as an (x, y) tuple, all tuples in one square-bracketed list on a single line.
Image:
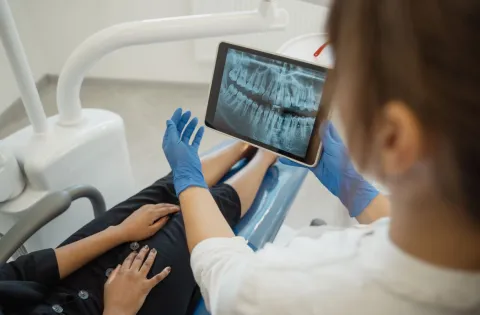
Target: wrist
[(182, 181), (117, 234), (359, 197), (378, 208), (181, 187)]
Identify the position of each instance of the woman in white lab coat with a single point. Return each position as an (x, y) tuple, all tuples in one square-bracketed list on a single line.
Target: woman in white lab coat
[(406, 83)]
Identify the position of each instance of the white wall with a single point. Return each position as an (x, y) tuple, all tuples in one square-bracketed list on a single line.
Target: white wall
[(69, 23), (28, 32)]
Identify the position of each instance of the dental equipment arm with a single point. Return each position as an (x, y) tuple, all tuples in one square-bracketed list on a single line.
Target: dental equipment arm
[(267, 18), (44, 211), (21, 70), (325, 3)]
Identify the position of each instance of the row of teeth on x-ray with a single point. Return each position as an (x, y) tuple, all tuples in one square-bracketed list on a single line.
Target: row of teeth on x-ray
[(281, 93), (270, 126)]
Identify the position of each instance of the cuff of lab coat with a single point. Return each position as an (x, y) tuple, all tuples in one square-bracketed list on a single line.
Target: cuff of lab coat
[(214, 260), (207, 252), (231, 244)]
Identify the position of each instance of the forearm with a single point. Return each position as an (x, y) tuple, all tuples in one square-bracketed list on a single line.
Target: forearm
[(73, 256), (378, 208), (202, 217)]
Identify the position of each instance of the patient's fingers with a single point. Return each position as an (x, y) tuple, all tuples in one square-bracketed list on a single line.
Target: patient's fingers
[(147, 265), (189, 130), (155, 227), (138, 261), (198, 137), (128, 261), (165, 205), (183, 121), (176, 116), (113, 274), (159, 277), (161, 211)]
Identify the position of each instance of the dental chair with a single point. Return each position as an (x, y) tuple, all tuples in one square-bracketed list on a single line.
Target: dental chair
[(259, 226)]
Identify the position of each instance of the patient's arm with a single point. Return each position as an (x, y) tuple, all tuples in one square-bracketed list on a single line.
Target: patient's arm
[(136, 227), (75, 255), (202, 217)]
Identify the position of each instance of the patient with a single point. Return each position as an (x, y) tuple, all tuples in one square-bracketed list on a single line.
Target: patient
[(134, 259)]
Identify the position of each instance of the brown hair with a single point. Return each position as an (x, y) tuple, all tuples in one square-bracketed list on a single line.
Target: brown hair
[(425, 53)]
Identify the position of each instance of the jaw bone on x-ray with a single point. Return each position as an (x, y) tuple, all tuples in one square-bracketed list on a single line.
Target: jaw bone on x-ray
[(270, 101)]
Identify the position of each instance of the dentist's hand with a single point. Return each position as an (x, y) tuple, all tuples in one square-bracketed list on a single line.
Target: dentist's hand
[(336, 172), (181, 155)]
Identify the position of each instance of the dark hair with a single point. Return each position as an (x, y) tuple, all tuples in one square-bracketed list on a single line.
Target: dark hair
[(425, 53)]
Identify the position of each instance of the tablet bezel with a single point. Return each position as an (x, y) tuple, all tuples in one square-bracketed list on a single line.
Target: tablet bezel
[(314, 146)]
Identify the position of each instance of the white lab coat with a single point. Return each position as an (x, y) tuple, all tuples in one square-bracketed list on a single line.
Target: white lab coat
[(329, 271)]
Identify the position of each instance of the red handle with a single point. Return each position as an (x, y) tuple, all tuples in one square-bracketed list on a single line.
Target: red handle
[(319, 50)]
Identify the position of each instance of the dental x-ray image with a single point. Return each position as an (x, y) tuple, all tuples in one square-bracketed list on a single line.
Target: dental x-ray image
[(268, 100)]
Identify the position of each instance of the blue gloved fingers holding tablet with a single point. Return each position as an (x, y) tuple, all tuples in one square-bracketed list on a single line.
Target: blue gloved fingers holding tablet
[(181, 155), (337, 173)]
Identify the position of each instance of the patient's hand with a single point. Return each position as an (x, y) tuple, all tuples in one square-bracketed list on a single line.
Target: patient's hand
[(127, 287), (145, 222)]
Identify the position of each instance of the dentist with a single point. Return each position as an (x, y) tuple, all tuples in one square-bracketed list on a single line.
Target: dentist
[(406, 83)]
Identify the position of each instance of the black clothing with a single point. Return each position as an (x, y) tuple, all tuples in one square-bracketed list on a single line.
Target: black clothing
[(31, 284)]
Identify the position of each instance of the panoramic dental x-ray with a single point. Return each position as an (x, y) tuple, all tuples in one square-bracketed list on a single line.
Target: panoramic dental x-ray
[(269, 100)]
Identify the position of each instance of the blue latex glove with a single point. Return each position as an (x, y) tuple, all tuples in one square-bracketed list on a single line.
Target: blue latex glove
[(336, 172), (181, 155)]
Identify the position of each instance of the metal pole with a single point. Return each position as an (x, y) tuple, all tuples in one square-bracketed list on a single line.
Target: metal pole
[(21, 69)]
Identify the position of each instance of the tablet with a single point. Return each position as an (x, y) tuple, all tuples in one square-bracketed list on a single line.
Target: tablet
[(268, 100)]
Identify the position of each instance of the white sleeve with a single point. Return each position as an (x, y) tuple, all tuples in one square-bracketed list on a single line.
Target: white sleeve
[(235, 280), (217, 261), (308, 276)]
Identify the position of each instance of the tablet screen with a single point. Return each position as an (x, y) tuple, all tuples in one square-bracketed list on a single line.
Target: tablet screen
[(268, 99)]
